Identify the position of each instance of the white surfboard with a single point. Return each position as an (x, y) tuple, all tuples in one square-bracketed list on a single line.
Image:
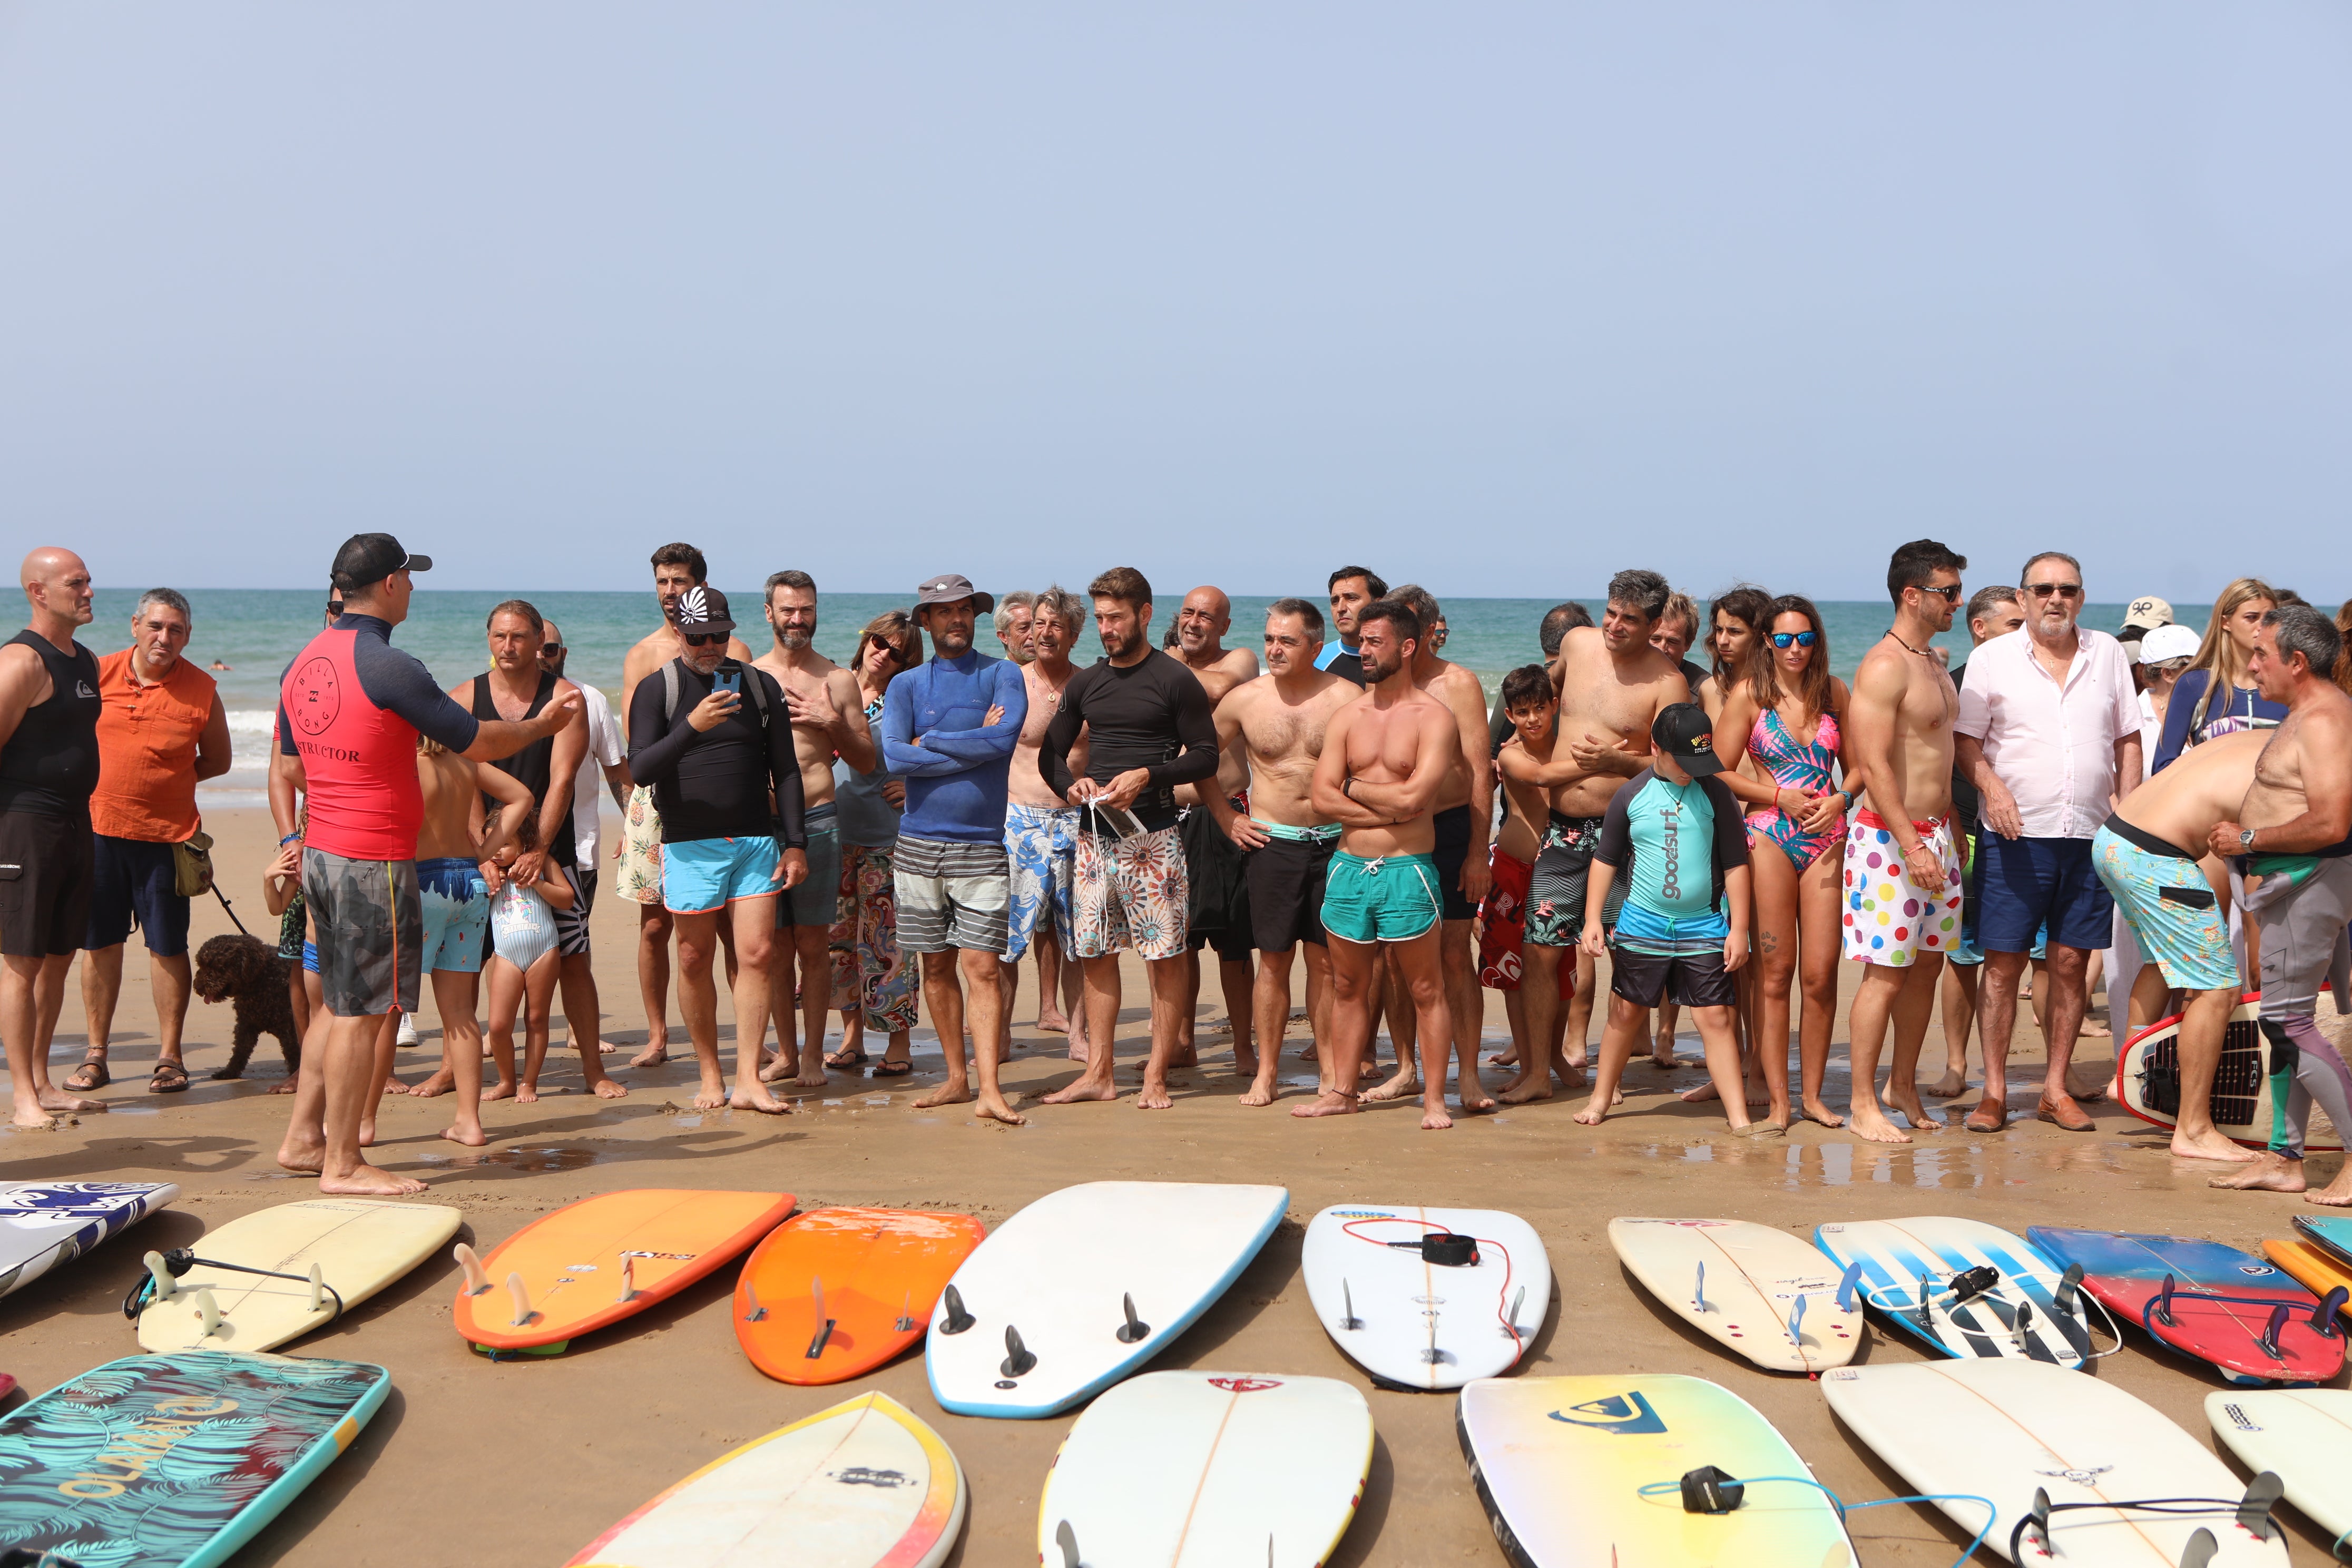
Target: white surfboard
[(44, 1224), (1086, 1285), (1927, 1274), (864, 1484), (355, 1245), (1759, 1292), (2003, 1429), (2303, 1435), (1208, 1469), (1561, 1464), (1431, 1315), (2147, 1079)]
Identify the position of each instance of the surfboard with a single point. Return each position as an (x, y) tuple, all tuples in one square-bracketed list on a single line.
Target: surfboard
[(1204, 1469), (1965, 1311), (2204, 1299), (2330, 1233), (2317, 1269), (44, 1224), (2303, 1435), (175, 1461), (836, 1292), (864, 1484), (1759, 1292), (1086, 1285), (1562, 1465), (1417, 1310), (2005, 1429), (2147, 1077), (358, 1245), (592, 1263)]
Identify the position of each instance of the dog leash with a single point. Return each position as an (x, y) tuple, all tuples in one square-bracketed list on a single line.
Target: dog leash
[(229, 911)]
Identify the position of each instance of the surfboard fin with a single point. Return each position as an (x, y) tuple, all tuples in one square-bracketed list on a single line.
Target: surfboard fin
[(2036, 1523), (2254, 1509), (1134, 1330), (2161, 1308), (523, 1314), (628, 1278), (2323, 1321), (1068, 1540), (1927, 1317), (1017, 1357), (160, 1273), (2200, 1549), (2021, 1321), (2068, 1284), (1511, 1324), (2270, 1340), (1348, 1305), (823, 1324), (1848, 1283), (958, 1320), (755, 1313), (906, 1323), (318, 1287), (1797, 1321), (209, 1310), (1698, 1291), (478, 1278)]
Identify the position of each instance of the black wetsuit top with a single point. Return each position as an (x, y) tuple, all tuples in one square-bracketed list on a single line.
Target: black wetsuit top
[(50, 764), (716, 784), (533, 766), (1153, 714)]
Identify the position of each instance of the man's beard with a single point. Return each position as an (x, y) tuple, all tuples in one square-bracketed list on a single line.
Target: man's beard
[(792, 639), (1378, 672)]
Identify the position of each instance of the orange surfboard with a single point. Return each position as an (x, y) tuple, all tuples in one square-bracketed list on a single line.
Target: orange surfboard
[(602, 1259), (837, 1292), (2319, 1271)]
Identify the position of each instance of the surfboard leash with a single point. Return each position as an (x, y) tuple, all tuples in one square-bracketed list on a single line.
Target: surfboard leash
[(2252, 1513), (180, 1259), (1708, 1490)]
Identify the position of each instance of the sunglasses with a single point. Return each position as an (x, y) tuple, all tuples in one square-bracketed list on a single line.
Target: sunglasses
[(701, 639), (2064, 590), (1951, 594), (547, 649), (1437, 638), (1801, 640), (334, 607)]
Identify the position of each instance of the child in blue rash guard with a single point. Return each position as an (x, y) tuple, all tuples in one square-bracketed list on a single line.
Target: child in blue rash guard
[(1675, 833)]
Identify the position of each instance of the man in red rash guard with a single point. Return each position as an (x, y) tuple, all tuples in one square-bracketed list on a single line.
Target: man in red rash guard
[(350, 707)]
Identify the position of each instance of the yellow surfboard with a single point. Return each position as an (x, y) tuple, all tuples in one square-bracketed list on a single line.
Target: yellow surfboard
[(337, 1251)]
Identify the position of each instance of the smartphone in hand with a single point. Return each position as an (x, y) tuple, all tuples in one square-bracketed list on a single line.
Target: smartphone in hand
[(729, 678)]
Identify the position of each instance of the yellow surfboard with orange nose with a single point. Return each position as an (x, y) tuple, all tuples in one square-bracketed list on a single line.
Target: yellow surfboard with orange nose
[(592, 1263), (836, 1292)]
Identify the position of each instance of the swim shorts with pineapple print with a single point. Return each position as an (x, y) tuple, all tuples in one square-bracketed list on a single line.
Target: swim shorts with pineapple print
[(1889, 919)]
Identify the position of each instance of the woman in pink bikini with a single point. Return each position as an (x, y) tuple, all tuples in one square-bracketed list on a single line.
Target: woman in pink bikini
[(1786, 712)]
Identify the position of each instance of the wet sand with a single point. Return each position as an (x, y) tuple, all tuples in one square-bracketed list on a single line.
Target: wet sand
[(525, 1462)]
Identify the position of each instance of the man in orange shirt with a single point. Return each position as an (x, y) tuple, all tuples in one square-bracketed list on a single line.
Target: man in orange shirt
[(161, 730)]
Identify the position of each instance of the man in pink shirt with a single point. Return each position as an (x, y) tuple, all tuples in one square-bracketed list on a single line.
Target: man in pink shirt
[(2048, 732)]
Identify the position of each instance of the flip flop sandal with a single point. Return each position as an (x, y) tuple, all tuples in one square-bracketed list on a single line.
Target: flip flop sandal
[(893, 1069), (844, 1058), (90, 1074), (170, 1078)]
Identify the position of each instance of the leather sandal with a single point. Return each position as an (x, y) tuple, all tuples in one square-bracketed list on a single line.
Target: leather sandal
[(90, 1074)]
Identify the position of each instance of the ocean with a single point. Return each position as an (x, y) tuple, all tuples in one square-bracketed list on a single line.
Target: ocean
[(256, 632)]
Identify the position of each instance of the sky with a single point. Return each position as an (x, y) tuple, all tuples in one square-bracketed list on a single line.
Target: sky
[(1498, 298)]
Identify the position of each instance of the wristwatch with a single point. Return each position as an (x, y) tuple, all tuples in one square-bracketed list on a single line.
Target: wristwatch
[(2246, 840)]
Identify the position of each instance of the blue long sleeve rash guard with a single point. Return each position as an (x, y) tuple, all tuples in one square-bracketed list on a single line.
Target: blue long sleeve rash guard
[(956, 779)]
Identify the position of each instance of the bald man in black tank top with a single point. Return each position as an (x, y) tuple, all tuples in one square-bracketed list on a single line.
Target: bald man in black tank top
[(48, 770)]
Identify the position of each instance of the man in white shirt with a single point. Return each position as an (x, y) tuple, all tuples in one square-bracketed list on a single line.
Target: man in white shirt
[(608, 752), (2049, 733)]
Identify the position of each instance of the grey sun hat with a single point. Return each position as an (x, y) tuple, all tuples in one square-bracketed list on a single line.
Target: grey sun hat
[(949, 586)]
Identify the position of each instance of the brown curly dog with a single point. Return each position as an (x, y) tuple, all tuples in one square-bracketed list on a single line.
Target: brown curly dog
[(248, 972)]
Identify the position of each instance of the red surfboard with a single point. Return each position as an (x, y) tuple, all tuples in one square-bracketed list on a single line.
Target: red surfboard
[(2243, 1314)]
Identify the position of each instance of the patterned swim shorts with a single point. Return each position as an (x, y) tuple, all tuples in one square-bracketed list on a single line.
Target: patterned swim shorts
[(1131, 892), (1040, 843), (1889, 919), (640, 874)]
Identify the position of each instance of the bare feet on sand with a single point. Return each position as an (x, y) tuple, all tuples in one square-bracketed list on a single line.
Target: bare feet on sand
[(1259, 1094), (291, 1082), (56, 1100), (1404, 1083), (1185, 1056), (1706, 1092), (1814, 1111), (1951, 1086), (2337, 1193), (392, 1085), (1432, 1116), (526, 1094), (1153, 1095), (755, 1098), (1085, 1089), (302, 1156), (1871, 1122), (1328, 1103), (472, 1137), (607, 1087), (708, 1095), (2210, 1146), (2269, 1174), (1913, 1111), (655, 1053), (365, 1181), (441, 1082), (506, 1091)]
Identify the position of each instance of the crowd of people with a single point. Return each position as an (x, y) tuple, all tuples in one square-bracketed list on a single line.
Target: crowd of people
[(895, 835)]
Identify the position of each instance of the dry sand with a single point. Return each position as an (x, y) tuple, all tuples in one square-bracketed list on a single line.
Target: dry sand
[(525, 1462)]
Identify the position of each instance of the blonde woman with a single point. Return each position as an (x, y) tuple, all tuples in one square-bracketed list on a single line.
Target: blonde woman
[(2212, 697)]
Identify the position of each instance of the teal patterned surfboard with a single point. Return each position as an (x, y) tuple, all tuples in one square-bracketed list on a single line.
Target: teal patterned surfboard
[(175, 1461)]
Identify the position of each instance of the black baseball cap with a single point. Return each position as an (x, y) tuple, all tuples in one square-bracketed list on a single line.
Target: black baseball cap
[(368, 558), (1686, 733), (702, 610)]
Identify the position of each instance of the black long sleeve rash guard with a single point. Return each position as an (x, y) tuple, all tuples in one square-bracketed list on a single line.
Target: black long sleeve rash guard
[(717, 783), (1152, 714)]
